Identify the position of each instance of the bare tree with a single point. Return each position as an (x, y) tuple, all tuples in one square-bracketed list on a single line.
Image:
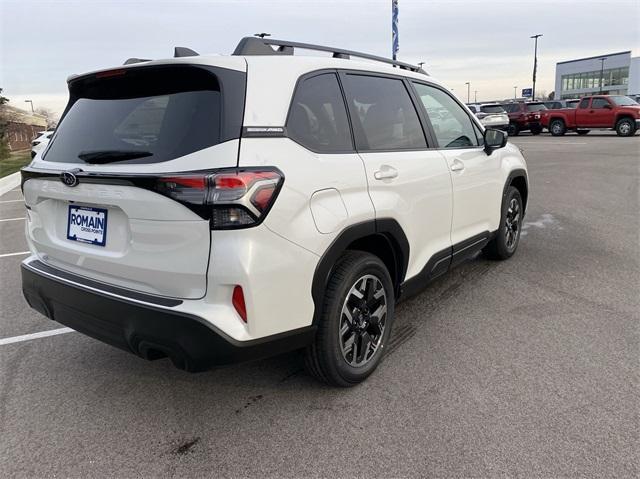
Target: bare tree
[(4, 122), (49, 115), (541, 95)]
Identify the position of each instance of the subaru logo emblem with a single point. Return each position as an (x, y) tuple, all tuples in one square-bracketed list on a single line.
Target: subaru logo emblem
[(69, 178)]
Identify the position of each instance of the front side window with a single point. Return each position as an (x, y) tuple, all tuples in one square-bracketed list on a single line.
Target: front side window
[(383, 114), (318, 117), (451, 124)]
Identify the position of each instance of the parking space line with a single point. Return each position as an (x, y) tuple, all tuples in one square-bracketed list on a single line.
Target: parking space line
[(12, 219), (6, 255), (12, 201), (28, 337)]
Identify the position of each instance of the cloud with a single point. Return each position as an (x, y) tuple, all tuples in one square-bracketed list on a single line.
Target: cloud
[(484, 42)]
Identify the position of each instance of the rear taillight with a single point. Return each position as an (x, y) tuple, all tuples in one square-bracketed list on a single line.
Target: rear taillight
[(229, 199)]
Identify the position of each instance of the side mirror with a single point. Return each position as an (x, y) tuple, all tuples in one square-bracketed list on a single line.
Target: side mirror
[(494, 139)]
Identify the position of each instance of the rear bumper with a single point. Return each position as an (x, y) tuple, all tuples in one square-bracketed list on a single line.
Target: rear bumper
[(147, 330)]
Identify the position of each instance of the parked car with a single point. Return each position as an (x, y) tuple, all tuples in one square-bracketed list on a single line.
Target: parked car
[(617, 112), (40, 142), (491, 115), (524, 116), (219, 208)]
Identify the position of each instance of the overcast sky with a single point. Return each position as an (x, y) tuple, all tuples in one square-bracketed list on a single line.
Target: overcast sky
[(484, 42)]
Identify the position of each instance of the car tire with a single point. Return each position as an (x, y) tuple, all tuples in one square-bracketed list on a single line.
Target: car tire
[(513, 129), (506, 239), (625, 127), (557, 127), (582, 132), (348, 324), (536, 130)]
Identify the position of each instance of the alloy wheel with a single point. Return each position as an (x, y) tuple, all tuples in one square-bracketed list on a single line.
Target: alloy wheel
[(625, 127), (363, 320), (512, 224)]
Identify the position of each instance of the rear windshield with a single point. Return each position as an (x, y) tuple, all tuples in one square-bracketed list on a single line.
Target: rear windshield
[(536, 106), (492, 109), (147, 115), (572, 103)]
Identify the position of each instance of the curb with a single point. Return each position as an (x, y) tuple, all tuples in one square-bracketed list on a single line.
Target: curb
[(9, 182)]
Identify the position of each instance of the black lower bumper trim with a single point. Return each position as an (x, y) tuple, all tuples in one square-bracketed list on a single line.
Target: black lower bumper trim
[(150, 332)]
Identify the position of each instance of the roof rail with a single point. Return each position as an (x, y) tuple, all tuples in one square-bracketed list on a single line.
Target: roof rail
[(263, 46)]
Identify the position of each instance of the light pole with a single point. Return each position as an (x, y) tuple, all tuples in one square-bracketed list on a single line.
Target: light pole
[(515, 92), (30, 101), (602, 72), (535, 64), (475, 96), (468, 90)]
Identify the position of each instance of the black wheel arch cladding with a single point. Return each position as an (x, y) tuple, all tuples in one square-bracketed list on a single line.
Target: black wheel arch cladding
[(383, 237)]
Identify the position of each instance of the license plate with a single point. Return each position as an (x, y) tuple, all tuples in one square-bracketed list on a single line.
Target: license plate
[(87, 225)]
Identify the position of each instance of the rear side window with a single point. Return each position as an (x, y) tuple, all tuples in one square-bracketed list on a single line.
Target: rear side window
[(599, 103), (318, 116), (383, 114), (451, 123), (536, 107), (148, 115)]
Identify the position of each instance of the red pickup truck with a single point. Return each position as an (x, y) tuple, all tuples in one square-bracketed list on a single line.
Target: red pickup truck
[(600, 111)]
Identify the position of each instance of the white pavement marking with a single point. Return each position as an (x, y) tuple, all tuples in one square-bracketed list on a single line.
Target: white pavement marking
[(12, 201), (29, 337), (13, 219), (6, 255)]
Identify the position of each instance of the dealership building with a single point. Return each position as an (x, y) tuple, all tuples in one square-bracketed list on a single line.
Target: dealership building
[(618, 72)]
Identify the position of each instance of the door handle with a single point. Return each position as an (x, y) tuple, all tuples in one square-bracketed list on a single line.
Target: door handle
[(385, 172), (457, 165)]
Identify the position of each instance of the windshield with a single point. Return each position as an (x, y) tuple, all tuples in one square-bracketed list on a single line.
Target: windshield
[(492, 109), (141, 117), (536, 106), (621, 100)]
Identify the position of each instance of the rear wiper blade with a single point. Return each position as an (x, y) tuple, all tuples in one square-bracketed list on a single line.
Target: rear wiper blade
[(110, 156)]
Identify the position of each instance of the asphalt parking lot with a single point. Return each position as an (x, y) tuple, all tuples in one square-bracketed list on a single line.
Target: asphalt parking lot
[(523, 368)]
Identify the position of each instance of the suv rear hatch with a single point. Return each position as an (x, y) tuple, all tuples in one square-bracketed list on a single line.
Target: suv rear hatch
[(110, 199)]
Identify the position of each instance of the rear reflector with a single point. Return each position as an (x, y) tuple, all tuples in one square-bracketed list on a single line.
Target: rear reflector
[(238, 302)]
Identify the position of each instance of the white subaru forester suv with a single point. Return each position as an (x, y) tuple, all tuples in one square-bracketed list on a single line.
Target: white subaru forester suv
[(213, 209)]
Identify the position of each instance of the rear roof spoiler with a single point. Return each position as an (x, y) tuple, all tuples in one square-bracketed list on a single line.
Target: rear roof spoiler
[(177, 53)]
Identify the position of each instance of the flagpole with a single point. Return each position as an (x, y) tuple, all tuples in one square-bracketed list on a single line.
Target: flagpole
[(394, 29)]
